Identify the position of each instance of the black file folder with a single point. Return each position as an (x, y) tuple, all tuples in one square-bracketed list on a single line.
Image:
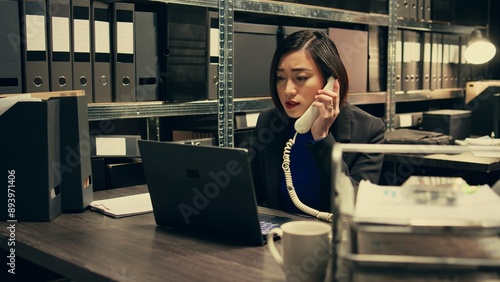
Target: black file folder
[(426, 60), (249, 71), (101, 52), (123, 52), (10, 44), (413, 9), (73, 169), (446, 71), (465, 72), (146, 54), (29, 161), (76, 185), (376, 60), (402, 9), (398, 61), (352, 45), (34, 46), (411, 60), (60, 65), (427, 9), (437, 61), (406, 63), (183, 60), (213, 51), (81, 33), (420, 10), (454, 61)]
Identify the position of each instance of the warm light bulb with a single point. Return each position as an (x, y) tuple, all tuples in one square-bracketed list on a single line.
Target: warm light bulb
[(480, 52)]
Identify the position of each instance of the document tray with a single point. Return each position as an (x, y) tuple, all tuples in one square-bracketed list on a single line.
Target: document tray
[(424, 247)]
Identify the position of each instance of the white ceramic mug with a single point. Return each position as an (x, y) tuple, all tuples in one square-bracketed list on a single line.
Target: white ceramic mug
[(306, 249)]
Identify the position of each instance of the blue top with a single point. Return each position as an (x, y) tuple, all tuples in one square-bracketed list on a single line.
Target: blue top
[(305, 176)]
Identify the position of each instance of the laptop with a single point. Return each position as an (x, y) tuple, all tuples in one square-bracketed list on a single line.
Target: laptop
[(207, 190)]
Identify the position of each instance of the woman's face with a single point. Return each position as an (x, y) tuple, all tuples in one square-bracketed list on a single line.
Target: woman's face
[(298, 82)]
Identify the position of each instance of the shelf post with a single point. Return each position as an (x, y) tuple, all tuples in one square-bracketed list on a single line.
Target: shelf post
[(225, 70), (153, 128), (390, 105)]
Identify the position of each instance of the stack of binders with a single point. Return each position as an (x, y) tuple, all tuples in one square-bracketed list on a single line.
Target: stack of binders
[(90, 45)]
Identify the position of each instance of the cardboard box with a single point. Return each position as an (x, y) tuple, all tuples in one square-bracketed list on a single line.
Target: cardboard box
[(456, 123)]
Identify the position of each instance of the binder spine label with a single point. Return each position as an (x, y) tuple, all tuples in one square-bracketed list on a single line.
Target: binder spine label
[(35, 33), (125, 38), (60, 35), (81, 28)]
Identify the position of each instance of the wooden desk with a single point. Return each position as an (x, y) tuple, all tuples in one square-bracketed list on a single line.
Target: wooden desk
[(89, 246), (475, 170)]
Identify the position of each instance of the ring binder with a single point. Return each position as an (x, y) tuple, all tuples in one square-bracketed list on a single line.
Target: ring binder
[(34, 46)]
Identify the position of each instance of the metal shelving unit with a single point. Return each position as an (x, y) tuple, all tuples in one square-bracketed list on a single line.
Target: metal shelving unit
[(225, 106)]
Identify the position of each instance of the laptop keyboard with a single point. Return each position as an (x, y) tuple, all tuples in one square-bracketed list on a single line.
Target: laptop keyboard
[(266, 226)]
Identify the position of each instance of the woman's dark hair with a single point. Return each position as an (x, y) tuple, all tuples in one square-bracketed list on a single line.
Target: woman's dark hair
[(322, 51)]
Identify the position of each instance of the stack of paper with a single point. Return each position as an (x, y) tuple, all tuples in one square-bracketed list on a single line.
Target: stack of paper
[(386, 205), (387, 223)]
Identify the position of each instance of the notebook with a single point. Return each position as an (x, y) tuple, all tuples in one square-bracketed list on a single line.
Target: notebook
[(207, 190)]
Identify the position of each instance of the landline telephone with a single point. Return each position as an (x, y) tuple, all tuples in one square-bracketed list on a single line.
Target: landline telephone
[(303, 125)]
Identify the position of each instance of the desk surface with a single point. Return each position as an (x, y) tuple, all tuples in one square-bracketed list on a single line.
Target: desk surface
[(89, 246)]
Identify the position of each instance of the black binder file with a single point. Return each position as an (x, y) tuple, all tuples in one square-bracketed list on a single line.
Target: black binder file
[(82, 66), (213, 51), (76, 183), (352, 45), (446, 71), (376, 59), (427, 9), (146, 68), (123, 52), (436, 61), (183, 60), (60, 66), (250, 71), (34, 46), (10, 44), (454, 61), (34, 154), (411, 60), (426, 61), (398, 61), (465, 70), (413, 9), (402, 9), (101, 52)]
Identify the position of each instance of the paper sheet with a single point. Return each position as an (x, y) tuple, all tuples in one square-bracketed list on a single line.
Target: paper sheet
[(124, 206), (385, 205)]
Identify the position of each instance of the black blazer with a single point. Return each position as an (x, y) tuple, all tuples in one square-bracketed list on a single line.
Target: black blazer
[(353, 125)]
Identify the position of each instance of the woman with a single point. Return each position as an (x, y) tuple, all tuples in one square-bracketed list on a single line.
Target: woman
[(300, 68)]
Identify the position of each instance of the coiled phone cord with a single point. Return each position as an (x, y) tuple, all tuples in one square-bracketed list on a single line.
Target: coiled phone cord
[(291, 190)]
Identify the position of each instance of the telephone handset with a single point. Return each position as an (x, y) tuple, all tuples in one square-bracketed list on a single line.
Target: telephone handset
[(305, 122), (303, 125)]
